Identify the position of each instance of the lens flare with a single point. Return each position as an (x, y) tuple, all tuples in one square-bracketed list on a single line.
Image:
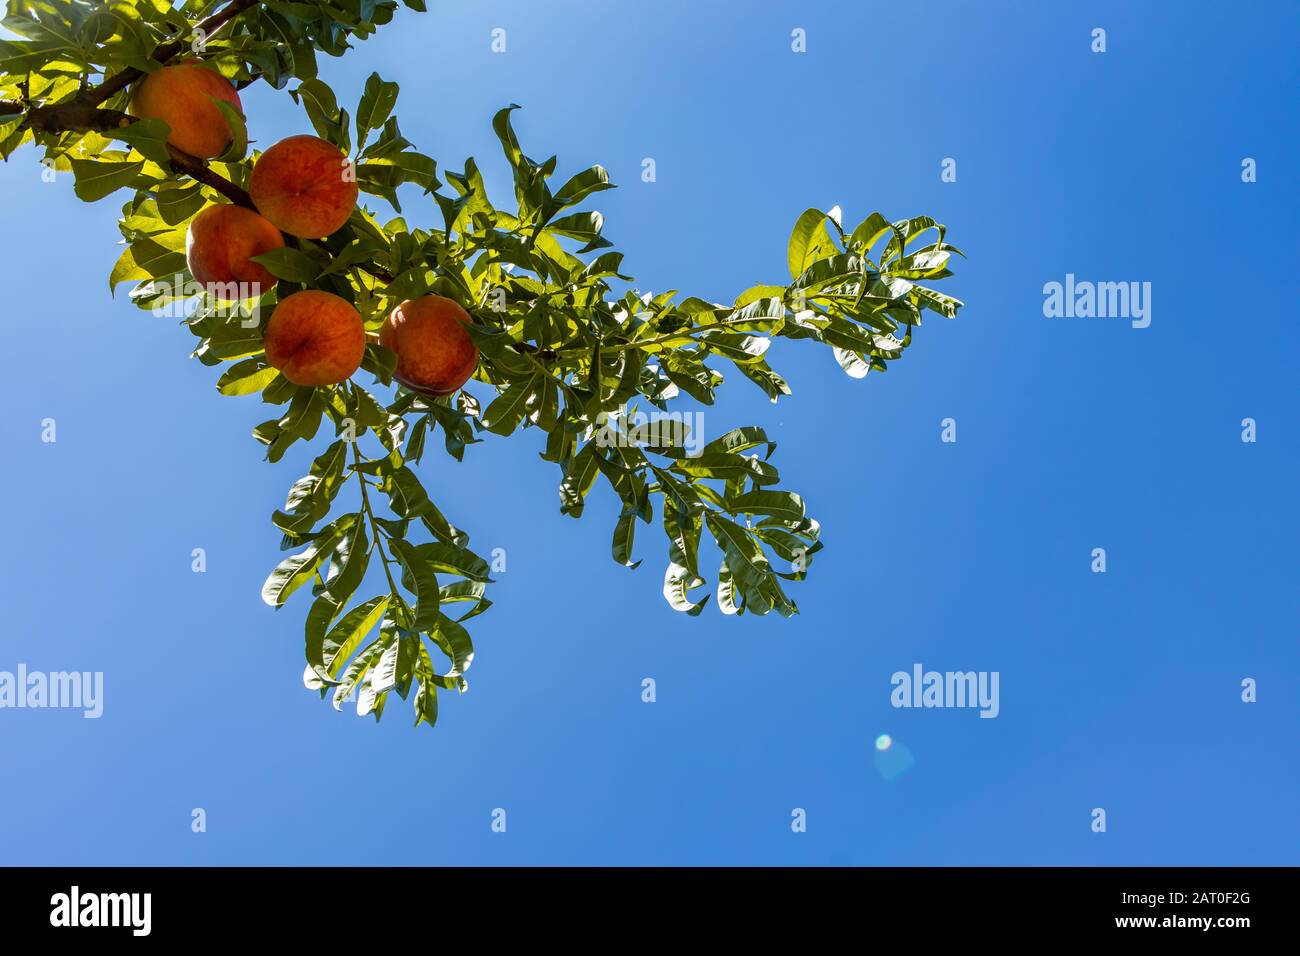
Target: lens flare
[(892, 758)]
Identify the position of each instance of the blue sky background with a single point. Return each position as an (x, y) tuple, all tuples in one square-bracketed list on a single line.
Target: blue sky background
[(1119, 690)]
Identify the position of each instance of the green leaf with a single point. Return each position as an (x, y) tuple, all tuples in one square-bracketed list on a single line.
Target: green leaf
[(579, 480), (579, 187), (624, 536), (425, 583), (945, 305), (853, 363), (238, 132), (357, 670), (728, 595), (380, 362), (748, 568), (718, 465), (426, 698), (735, 345), (410, 500), (348, 565), (311, 496), (740, 439), (780, 504), (295, 571), (290, 264), (377, 103), (450, 559), (585, 226), (773, 385), (95, 180), (405, 167), (149, 258), (507, 409), (809, 242), (383, 676), (148, 138), (246, 377), (323, 111), (759, 292), (677, 583), (907, 231), (868, 231), (319, 618), (178, 202), (505, 132), (455, 643), (346, 636)]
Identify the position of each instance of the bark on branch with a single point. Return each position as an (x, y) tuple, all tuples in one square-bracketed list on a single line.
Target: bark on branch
[(69, 117), (164, 52), (83, 113)]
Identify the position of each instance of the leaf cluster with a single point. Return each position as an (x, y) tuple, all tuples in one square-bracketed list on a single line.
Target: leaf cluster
[(569, 348)]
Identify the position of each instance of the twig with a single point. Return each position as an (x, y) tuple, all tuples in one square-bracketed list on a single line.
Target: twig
[(83, 113), (199, 171), (164, 52)]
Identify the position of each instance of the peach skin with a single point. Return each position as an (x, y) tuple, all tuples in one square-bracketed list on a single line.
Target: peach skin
[(315, 338), (219, 246), (435, 355), (181, 95), (305, 186)]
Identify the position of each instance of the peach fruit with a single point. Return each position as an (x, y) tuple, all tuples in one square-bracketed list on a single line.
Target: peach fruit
[(315, 338), (220, 244), (181, 95), (435, 355), (305, 186)]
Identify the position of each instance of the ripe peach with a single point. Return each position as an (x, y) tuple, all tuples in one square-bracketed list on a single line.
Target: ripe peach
[(315, 338), (435, 355), (305, 186), (181, 95), (219, 245)]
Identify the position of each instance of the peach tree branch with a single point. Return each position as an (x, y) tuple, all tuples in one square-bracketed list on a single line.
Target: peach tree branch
[(563, 345), (208, 27)]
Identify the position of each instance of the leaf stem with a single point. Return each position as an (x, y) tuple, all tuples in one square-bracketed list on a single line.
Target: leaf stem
[(376, 531), (660, 340)]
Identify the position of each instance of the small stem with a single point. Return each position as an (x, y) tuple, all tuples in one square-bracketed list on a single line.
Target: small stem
[(377, 532), (370, 515), (646, 343), (199, 171), (164, 52)]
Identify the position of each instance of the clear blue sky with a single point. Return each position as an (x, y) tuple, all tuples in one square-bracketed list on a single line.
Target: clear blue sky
[(1118, 690)]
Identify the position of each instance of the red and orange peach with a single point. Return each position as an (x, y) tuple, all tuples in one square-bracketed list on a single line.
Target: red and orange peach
[(315, 338), (305, 186), (182, 96), (435, 355), (220, 244)]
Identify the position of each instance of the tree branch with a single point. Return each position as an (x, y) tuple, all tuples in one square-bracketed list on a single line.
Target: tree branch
[(89, 99), (164, 52), (82, 114), (199, 171), (69, 117)]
